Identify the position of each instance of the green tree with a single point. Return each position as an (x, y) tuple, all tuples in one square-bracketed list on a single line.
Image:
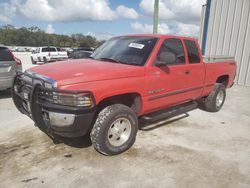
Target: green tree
[(34, 36)]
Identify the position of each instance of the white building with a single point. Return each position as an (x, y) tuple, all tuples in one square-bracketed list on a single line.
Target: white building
[(226, 31)]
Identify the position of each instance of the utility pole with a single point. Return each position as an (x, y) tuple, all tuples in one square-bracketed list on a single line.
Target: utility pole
[(156, 12)]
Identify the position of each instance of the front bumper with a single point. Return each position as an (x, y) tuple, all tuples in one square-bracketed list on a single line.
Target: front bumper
[(53, 119), (65, 122)]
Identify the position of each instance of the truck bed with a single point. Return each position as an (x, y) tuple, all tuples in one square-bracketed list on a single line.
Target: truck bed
[(216, 69)]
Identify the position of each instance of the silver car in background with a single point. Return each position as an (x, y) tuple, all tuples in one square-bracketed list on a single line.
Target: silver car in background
[(8, 66)]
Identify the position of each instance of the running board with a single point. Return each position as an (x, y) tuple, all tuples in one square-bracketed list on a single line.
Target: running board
[(170, 112)]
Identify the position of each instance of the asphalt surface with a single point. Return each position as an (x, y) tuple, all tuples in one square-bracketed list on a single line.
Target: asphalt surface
[(199, 149)]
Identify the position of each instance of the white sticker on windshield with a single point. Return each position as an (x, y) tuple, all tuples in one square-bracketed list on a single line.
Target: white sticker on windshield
[(136, 45)]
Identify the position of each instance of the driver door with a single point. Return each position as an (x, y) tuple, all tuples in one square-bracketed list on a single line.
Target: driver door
[(166, 83)]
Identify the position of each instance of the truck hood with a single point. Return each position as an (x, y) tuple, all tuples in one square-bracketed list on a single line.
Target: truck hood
[(86, 70)]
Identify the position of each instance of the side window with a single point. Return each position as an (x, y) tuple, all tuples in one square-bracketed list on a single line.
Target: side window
[(44, 50), (48, 49), (175, 47), (193, 52), (52, 49)]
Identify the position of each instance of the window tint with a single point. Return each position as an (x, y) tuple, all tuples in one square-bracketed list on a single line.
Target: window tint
[(5, 54), (133, 50), (80, 54), (193, 52), (48, 49), (174, 46)]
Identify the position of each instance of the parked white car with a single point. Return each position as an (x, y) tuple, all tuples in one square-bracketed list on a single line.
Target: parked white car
[(47, 54)]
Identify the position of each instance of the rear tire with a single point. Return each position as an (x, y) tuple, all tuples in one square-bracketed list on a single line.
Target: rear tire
[(216, 99), (115, 129), (32, 61)]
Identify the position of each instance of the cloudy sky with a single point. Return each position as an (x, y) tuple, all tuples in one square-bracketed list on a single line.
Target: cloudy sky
[(103, 18)]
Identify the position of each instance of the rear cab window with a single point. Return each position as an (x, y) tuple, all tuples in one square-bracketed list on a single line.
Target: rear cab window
[(193, 52), (5, 54), (174, 46), (48, 49)]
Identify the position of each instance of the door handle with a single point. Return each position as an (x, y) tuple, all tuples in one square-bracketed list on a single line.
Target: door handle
[(187, 72)]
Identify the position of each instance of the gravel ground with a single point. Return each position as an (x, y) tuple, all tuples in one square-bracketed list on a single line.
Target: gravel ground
[(199, 149)]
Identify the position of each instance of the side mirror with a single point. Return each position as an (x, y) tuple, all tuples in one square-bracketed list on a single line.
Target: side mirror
[(165, 58)]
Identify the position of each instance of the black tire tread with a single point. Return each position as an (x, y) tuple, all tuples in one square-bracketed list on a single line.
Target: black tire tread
[(45, 60), (32, 61), (209, 101), (96, 132)]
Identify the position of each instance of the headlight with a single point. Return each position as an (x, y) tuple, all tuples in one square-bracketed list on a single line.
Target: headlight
[(81, 99), (48, 85)]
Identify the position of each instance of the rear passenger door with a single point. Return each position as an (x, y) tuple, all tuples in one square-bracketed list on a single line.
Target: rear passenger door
[(53, 52), (194, 80)]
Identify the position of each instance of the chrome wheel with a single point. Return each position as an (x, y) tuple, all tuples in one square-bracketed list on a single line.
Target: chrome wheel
[(220, 98), (119, 132)]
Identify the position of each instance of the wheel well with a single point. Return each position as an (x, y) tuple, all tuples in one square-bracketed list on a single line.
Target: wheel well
[(223, 80), (132, 100)]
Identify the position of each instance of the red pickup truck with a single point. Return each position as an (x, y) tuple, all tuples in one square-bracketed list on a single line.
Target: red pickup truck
[(128, 78)]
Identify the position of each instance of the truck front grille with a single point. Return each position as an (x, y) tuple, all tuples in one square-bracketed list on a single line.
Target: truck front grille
[(30, 89)]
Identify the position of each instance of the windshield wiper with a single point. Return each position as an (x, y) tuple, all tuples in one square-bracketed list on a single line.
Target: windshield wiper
[(109, 59)]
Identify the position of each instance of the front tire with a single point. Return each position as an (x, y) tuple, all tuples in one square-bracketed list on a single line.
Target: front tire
[(33, 61), (216, 99), (45, 60), (114, 130)]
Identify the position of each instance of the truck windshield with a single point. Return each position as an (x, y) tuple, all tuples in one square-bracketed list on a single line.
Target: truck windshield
[(133, 50)]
